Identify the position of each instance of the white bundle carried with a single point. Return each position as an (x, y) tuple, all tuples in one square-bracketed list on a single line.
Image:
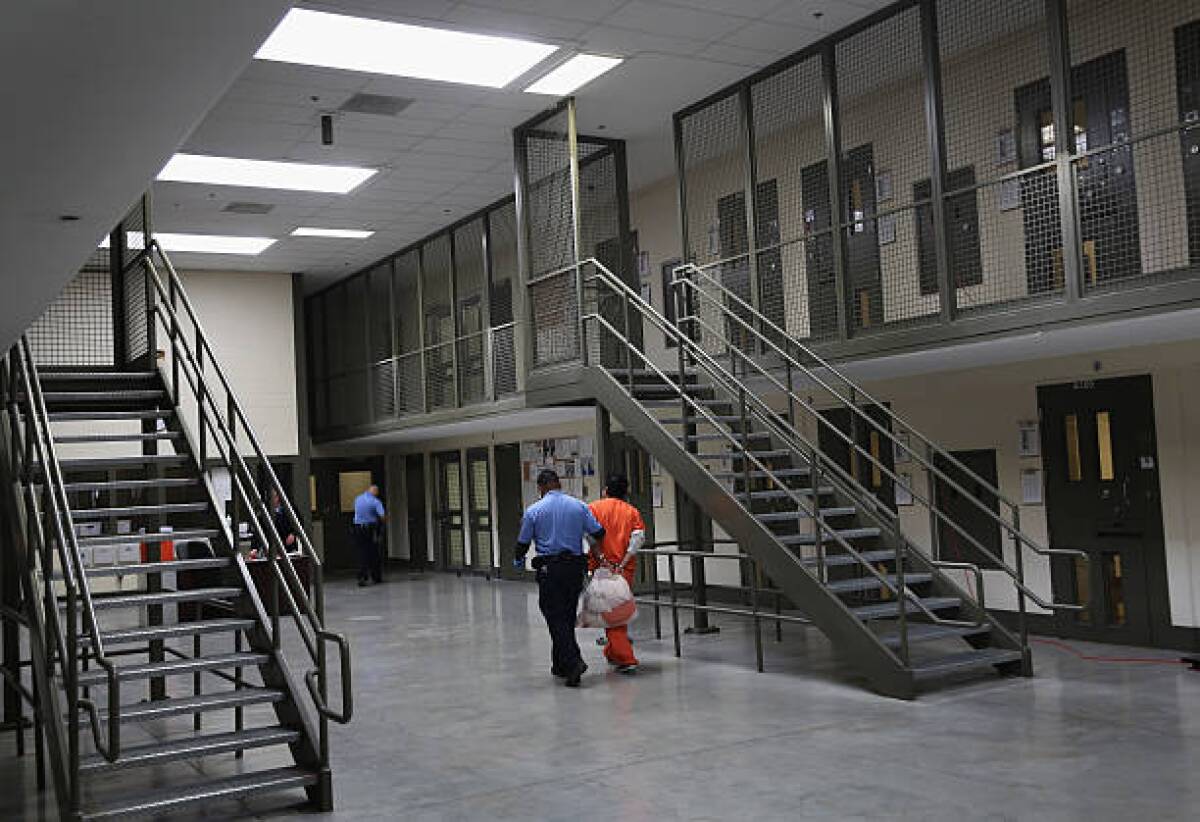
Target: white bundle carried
[(607, 601)]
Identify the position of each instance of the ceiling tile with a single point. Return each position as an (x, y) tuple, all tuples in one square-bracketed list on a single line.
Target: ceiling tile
[(671, 21)]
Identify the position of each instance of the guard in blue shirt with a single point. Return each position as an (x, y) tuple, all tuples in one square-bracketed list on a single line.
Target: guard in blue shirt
[(368, 518), (557, 525)]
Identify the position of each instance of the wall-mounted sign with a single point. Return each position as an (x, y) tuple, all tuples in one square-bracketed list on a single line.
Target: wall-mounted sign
[(1029, 443)]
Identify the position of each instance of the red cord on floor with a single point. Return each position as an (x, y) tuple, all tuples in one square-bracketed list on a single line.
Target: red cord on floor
[(1062, 646)]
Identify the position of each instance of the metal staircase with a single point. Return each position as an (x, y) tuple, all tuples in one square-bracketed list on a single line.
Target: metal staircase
[(159, 651), (746, 446)]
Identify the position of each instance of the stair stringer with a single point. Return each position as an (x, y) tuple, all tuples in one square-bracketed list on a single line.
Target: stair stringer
[(881, 667)]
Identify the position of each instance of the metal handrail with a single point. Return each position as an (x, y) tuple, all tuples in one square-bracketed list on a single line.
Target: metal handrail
[(901, 591), (1012, 528), (302, 609)]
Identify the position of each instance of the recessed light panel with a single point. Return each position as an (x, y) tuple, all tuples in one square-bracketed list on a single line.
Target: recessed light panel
[(339, 233), (232, 171), (198, 243), (317, 38), (573, 74)]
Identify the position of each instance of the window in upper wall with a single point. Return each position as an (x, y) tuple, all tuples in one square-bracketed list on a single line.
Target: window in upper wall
[(962, 222)]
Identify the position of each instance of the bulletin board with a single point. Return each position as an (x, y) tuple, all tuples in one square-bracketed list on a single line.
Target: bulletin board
[(573, 458)]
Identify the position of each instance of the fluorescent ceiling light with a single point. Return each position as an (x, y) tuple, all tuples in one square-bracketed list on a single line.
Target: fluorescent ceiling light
[(576, 72), (343, 233), (317, 38), (231, 171), (201, 243)]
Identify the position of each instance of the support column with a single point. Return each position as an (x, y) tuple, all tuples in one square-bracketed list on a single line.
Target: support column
[(935, 127), (1064, 141), (833, 148)]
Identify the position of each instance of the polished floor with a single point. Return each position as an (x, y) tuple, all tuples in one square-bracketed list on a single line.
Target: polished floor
[(457, 718)]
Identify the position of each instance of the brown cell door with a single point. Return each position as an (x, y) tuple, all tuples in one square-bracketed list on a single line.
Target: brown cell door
[(1102, 498), (448, 515), (480, 508)]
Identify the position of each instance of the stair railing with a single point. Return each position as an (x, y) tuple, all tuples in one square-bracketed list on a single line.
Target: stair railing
[(35, 463), (728, 306), (222, 424), (752, 407)]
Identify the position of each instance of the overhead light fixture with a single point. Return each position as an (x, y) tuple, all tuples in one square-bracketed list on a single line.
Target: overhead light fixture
[(573, 74), (199, 243), (341, 233), (317, 38), (232, 171)]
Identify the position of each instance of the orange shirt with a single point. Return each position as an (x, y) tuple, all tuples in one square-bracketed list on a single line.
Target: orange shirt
[(620, 520)]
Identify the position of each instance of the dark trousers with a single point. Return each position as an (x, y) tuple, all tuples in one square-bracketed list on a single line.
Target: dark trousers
[(370, 566), (560, 582)]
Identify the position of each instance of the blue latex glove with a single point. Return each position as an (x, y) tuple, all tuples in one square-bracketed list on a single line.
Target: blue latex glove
[(519, 563)]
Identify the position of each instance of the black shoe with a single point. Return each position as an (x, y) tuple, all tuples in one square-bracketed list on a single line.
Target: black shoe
[(557, 673), (362, 583), (576, 675)]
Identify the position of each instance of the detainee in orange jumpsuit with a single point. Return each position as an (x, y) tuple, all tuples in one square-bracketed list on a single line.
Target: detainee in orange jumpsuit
[(624, 533)]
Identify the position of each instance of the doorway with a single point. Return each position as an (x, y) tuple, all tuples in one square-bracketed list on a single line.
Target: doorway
[(508, 506), (965, 511), (1106, 188), (336, 483), (864, 281), (414, 486), (1102, 498), (479, 506), (450, 538), (870, 473)]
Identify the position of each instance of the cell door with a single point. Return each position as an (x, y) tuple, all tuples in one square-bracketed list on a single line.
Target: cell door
[(414, 486), (508, 505), (1105, 182), (1187, 80), (871, 472), (479, 501), (448, 513), (1102, 498)]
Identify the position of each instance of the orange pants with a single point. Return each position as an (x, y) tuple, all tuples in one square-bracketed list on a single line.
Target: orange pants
[(618, 651)]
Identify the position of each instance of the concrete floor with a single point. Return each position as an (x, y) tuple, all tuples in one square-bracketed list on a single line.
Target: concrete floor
[(457, 718)]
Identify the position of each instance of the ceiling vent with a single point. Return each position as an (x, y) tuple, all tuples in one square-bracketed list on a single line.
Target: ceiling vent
[(383, 105), (248, 208)]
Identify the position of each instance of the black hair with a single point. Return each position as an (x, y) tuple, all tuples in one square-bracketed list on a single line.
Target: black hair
[(617, 486), (547, 476)]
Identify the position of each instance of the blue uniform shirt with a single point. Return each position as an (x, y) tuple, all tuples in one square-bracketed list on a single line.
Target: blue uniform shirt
[(556, 524), (368, 510)]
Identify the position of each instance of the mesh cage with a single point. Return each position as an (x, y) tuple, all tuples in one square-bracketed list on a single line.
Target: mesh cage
[(880, 82), (1135, 84), (504, 360), (76, 330), (470, 277), (379, 310), (1002, 208), (439, 322), (502, 248), (406, 306), (793, 259), (480, 500), (550, 230)]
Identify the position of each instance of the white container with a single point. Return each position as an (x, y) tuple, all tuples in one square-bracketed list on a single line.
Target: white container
[(104, 555), (129, 553)]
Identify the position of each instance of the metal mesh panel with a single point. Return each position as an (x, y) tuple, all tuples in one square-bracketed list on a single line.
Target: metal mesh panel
[(410, 386), (714, 169), (439, 322), (789, 135), (406, 294), (379, 309), (383, 389), (470, 279), (439, 375), (599, 214), (135, 225), (77, 328), (504, 360), (1002, 207), (884, 151), (337, 329), (481, 538), (137, 316), (1135, 86), (357, 323), (502, 248), (318, 370)]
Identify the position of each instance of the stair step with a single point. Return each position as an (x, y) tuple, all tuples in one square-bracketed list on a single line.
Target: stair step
[(110, 414), (139, 510), (173, 797), (177, 706), (90, 438), (173, 667), (172, 750), (674, 403), (141, 460), (755, 473), (887, 610), (754, 435), (48, 376), (779, 493), (132, 484), (735, 455), (145, 634), (974, 660), (164, 567), (164, 597), (834, 560), (103, 397), (793, 516), (159, 536), (722, 418), (924, 632), (847, 534), (870, 583)]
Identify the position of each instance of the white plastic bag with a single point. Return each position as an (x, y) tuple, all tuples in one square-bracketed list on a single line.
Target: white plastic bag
[(607, 601)]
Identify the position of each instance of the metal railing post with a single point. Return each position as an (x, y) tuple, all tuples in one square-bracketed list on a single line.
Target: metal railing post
[(902, 594), (814, 481), (654, 586), (674, 604), (1022, 624), (755, 571)]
